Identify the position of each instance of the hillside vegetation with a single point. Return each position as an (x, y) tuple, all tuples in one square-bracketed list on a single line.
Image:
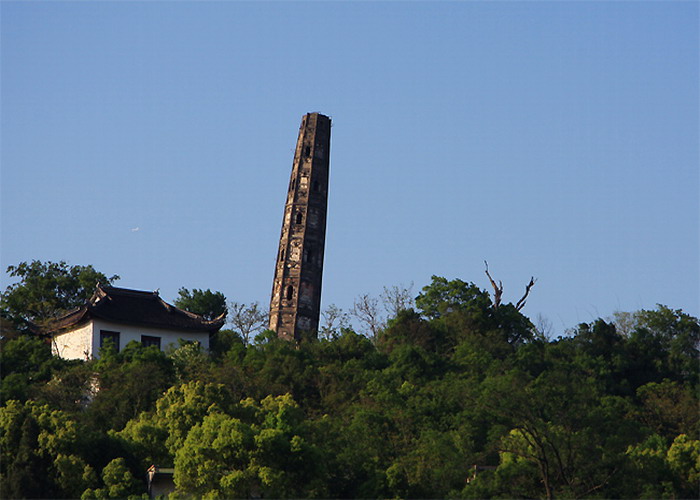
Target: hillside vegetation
[(457, 397)]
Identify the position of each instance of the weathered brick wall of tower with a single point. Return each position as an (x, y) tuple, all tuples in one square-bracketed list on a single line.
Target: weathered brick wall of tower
[(295, 305)]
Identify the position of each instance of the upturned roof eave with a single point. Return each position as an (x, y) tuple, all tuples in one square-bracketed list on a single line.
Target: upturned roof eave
[(92, 317), (67, 321), (97, 307)]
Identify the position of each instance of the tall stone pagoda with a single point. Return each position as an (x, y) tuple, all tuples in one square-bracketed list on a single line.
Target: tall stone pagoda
[(295, 305)]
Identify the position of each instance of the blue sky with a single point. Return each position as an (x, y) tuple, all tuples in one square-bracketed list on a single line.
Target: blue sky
[(553, 139)]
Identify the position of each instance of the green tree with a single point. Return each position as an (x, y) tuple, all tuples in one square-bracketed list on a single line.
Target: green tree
[(443, 297), (129, 382), (214, 460), (648, 475), (463, 311), (430, 468), (669, 408), (26, 464), (119, 482), (145, 437), (226, 342), (40, 452), (46, 290), (679, 334), (190, 360), (277, 366), (206, 303), (25, 361), (658, 470), (176, 412), (74, 476), (408, 328), (683, 458), (71, 388), (570, 432), (264, 452)]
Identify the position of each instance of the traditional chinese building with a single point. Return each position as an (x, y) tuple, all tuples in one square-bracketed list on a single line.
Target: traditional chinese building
[(118, 316)]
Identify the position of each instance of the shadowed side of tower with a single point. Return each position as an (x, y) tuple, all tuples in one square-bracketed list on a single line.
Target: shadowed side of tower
[(295, 305)]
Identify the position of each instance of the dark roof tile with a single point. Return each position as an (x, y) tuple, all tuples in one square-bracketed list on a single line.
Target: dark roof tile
[(122, 305)]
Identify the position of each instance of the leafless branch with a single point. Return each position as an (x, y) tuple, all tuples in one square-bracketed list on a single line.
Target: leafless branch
[(397, 299), (247, 319), (334, 318), (544, 327), (521, 302), (366, 310), (497, 289)]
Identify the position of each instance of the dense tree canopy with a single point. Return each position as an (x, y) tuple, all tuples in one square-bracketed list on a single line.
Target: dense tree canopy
[(203, 302), (456, 398), (46, 290)]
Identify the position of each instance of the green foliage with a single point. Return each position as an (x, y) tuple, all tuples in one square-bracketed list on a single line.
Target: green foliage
[(46, 290), (268, 455), (206, 303), (669, 408), (145, 437), (74, 476), (443, 297), (118, 482), (679, 336), (214, 459), (683, 458), (40, 453), (190, 360), (658, 470), (226, 343), (182, 407), (455, 399), (25, 360), (128, 383), (461, 311), (408, 328)]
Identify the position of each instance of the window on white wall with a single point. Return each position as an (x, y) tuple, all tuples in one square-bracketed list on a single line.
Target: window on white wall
[(148, 341), (109, 337)]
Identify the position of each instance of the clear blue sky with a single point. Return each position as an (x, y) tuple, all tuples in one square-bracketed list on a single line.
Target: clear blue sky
[(554, 139)]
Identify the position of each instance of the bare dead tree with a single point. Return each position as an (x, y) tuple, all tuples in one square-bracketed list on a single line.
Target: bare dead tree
[(334, 319), (497, 289), (366, 310), (397, 298), (544, 327), (521, 302), (247, 319)]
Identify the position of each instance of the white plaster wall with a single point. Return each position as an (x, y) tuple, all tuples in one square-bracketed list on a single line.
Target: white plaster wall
[(127, 333), (74, 345), (84, 342)]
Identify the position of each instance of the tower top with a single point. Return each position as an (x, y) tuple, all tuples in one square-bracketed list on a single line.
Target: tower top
[(315, 116)]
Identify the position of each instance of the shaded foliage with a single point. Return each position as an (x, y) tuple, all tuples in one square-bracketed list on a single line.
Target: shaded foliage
[(206, 303), (46, 290), (455, 398)]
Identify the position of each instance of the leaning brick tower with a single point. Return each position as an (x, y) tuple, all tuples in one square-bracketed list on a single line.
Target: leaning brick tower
[(295, 305)]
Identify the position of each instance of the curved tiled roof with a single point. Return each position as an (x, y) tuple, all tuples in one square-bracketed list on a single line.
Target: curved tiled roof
[(122, 305)]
